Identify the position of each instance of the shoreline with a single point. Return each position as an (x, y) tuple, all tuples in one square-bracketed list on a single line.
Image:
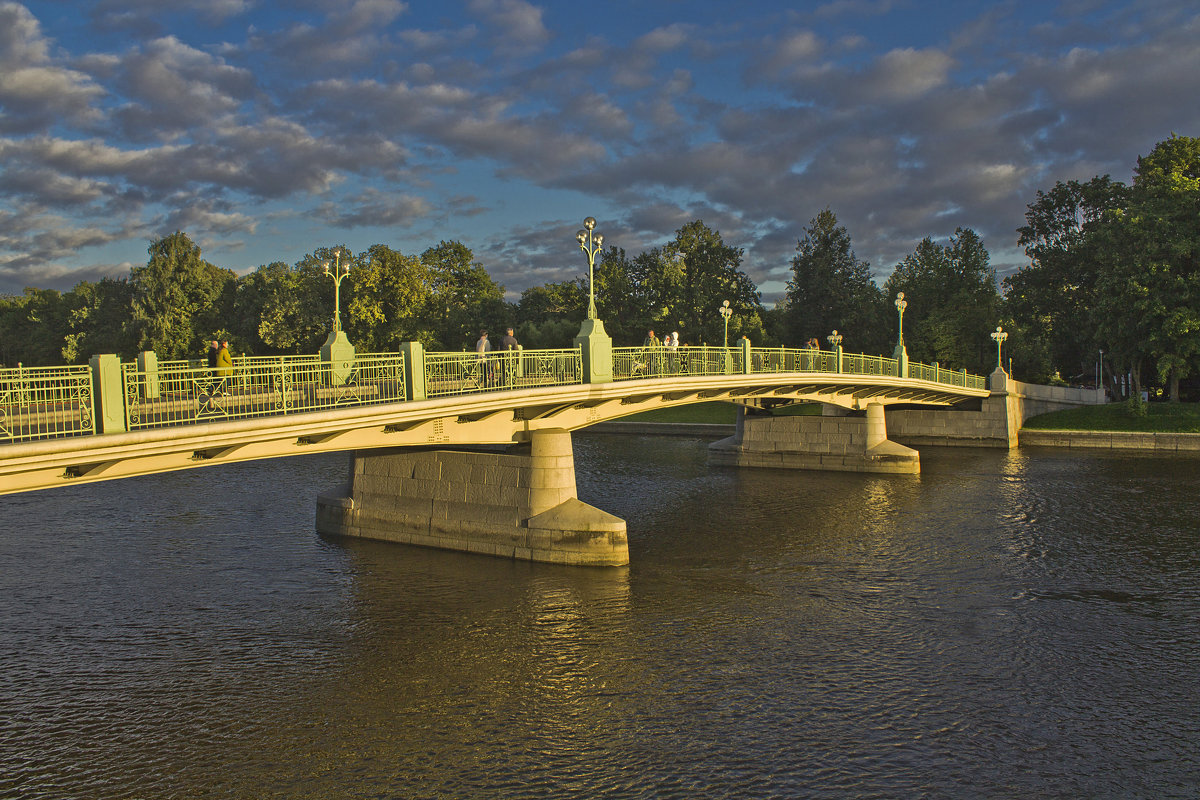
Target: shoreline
[(1156, 442)]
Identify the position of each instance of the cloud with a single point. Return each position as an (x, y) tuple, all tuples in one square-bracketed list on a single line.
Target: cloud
[(516, 26), (375, 209), (34, 91)]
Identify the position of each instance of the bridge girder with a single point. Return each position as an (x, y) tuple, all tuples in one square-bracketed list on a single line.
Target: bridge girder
[(492, 418)]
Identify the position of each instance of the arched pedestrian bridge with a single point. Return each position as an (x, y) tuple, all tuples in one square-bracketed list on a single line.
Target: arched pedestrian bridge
[(409, 417)]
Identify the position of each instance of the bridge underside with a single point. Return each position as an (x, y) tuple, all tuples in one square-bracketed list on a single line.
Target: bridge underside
[(501, 417)]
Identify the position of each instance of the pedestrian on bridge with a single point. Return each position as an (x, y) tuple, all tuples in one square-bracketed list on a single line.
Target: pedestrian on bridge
[(482, 348), (509, 346), (212, 358)]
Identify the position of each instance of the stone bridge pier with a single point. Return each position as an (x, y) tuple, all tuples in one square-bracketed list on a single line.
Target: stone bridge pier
[(834, 441), (519, 504)]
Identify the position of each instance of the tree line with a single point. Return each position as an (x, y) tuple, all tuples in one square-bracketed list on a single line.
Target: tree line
[(1112, 267)]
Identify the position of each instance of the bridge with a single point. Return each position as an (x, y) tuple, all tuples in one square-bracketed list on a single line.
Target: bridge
[(452, 450)]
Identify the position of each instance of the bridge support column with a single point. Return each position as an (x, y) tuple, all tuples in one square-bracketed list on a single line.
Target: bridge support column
[(838, 443), (519, 505)]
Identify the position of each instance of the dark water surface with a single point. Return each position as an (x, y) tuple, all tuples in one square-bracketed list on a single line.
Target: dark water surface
[(1019, 625)]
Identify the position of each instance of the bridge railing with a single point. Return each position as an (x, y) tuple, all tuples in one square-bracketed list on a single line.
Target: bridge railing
[(45, 403), (791, 359), (468, 373), (632, 363), (177, 393), (940, 374)]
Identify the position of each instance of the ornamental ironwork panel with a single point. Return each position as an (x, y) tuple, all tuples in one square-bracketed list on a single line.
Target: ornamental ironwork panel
[(45, 403)]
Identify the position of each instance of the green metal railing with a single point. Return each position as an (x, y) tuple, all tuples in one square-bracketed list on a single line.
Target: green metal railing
[(632, 363), (45, 403), (468, 373), (178, 393), (49, 402)]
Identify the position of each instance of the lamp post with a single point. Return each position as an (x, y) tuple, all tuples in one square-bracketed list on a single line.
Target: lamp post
[(835, 341), (338, 274), (593, 343), (901, 354), (998, 337), (590, 244), (726, 312)]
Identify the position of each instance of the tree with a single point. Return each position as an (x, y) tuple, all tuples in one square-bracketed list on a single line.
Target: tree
[(280, 309), (32, 326), (98, 320), (1054, 297), (686, 282), (952, 300), (390, 294), (1162, 263), (180, 300), (462, 296), (831, 289), (549, 315)]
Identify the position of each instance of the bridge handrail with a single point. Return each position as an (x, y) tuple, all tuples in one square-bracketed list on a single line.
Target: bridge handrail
[(632, 363), (45, 402), (451, 373), (50, 402), (176, 393)]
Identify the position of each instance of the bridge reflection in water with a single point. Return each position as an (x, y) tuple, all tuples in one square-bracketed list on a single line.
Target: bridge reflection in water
[(125, 419)]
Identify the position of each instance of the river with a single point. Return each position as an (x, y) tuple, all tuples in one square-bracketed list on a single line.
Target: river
[(1017, 624)]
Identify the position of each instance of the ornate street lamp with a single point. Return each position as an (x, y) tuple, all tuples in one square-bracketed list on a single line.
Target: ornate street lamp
[(590, 244), (901, 354), (338, 274), (726, 312), (835, 342), (998, 337)]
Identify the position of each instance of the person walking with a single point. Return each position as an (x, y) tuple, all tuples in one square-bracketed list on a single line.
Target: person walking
[(482, 348), (509, 346), (212, 358), (224, 366), (651, 358)]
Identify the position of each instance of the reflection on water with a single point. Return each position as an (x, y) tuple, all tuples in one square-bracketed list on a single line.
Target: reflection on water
[(1004, 624)]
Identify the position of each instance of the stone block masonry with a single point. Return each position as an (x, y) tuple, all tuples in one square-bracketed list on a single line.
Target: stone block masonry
[(520, 505), (837, 443)]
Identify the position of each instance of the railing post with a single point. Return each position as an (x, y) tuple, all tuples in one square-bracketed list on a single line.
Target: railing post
[(596, 348), (414, 370), (108, 393), (746, 366), (147, 364)]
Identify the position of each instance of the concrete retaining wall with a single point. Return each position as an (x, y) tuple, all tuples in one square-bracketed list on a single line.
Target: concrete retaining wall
[(1168, 443)]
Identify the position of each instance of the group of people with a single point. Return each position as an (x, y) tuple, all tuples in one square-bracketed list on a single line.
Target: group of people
[(670, 340), (508, 343), (220, 362)]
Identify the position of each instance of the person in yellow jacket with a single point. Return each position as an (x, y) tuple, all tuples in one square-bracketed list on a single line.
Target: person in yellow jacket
[(224, 361)]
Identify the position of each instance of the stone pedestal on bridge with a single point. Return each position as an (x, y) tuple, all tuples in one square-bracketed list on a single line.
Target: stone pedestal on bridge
[(519, 504), (833, 442)]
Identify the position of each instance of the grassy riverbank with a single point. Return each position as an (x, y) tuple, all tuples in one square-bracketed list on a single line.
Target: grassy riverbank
[(1159, 417)]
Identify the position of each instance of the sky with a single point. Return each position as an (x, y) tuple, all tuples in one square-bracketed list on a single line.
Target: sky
[(267, 130)]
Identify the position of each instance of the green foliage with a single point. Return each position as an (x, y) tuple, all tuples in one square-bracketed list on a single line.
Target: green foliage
[(831, 289), (953, 303), (98, 320), (180, 300), (462, 296)]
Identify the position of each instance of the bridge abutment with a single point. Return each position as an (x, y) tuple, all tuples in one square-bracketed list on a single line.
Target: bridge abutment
[(830, 442), (520, 505)]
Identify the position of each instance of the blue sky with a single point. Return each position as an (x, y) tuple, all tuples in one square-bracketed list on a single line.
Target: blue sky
[(266, 130)]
